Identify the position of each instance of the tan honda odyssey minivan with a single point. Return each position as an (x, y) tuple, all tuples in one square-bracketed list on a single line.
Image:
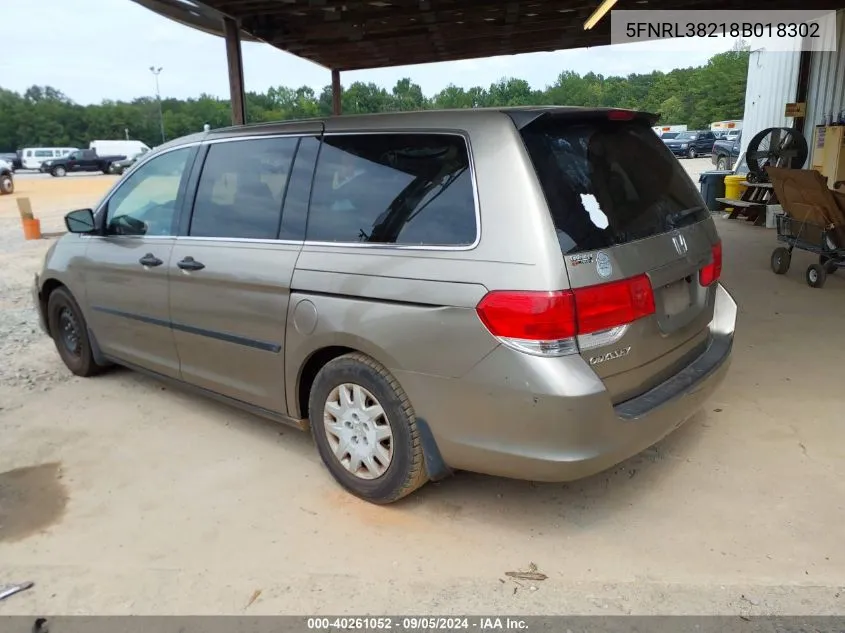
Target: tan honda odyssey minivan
[(527, 292)]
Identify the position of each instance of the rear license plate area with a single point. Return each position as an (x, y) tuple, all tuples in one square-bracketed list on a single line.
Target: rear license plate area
[(676, 297)]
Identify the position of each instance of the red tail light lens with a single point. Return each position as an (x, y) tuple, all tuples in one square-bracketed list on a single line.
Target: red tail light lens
[(535, 316), (621, 115), (617, 303), (712, 271), (556, 316)]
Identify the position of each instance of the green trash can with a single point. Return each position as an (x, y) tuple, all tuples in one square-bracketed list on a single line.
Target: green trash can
[(712, 186)]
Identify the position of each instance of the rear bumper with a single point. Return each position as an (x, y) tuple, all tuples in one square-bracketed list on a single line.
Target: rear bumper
[(551, 419)]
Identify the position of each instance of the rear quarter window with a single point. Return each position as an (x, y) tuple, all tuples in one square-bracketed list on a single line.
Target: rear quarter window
[(609, 182), (404, 189)]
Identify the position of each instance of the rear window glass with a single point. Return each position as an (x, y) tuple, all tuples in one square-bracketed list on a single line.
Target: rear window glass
[(609, 182)]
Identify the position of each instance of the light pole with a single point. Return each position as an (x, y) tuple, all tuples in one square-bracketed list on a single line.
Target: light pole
[(155, 71)]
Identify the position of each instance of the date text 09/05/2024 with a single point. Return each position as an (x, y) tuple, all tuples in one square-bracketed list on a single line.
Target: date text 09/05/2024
[(416, 623), (651, 30)]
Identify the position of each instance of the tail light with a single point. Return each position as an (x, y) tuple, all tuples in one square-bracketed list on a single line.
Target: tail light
[(549, 323), (621, 115), (712, 271)]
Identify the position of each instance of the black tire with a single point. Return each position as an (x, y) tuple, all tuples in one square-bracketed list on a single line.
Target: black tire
[(62, 309), (722, 163), (406, 471), (106, 168), (781, 259), (816, 276), (58, 171), (692, 153), (7, 184), (828, 263)]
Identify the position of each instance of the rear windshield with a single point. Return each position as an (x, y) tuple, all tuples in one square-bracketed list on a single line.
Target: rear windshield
[(609, 182)]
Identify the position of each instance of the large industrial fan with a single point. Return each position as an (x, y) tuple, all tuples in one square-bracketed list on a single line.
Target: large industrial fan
[(777, 147)]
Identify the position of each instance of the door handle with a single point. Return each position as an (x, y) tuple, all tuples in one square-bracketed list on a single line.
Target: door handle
[(189, 263), (150, 260)]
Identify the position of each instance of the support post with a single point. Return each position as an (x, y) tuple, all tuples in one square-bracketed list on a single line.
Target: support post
[(336, 103), (236, 71)]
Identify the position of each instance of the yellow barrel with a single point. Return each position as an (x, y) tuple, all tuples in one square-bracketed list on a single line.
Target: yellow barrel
[(733, 188)]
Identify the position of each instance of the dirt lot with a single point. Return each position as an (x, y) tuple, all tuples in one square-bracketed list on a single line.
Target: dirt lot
[(146, 500)]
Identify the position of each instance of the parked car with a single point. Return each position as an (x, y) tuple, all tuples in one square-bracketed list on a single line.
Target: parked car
[(726, 151), (7, 178), (692, 143), (11, 159), (127, 148), (34, 157), (79, 160), (120, 166), (334, 275)]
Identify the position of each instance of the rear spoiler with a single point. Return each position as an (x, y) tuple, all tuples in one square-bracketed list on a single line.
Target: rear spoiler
[(522, 118)]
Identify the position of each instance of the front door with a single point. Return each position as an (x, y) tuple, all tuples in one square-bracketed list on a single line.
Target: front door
[(231, 272), (126, 271)]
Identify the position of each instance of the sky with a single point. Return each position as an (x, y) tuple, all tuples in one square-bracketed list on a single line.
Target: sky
[(93, 50)]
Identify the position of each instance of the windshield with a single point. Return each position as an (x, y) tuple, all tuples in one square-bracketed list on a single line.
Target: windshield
[(687, 136), (667, 135), (609, 182)]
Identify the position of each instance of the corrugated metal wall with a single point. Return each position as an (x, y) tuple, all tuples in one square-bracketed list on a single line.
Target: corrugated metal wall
[(772, 83), (827, 81)]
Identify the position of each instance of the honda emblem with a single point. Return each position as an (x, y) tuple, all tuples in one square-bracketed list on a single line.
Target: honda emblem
[(680, 244)]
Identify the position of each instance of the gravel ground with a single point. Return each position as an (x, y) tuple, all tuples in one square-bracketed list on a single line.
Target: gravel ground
[(30, 363)]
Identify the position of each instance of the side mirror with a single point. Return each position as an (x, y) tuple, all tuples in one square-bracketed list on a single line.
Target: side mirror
[(80, 221)]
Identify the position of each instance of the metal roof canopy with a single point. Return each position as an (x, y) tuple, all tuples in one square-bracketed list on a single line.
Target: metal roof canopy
[(357, 34)]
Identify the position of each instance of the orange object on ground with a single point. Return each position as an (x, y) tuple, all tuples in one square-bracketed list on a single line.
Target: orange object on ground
[(31, 229)]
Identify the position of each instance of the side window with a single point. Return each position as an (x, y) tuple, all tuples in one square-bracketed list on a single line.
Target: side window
[(146, 203), (295, 211), (242, 187), (408, 189)]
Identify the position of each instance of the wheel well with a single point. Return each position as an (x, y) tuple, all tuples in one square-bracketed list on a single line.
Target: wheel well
[(44, 297), (310, 370)]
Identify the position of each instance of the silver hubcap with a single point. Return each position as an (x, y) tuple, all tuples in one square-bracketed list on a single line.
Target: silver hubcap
[(358, 431), (814, 276)]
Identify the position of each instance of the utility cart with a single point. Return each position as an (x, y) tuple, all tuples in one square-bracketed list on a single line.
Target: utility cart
[(813, 221)]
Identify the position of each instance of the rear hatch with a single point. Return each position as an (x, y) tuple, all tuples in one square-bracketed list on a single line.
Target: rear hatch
[(629, 220)]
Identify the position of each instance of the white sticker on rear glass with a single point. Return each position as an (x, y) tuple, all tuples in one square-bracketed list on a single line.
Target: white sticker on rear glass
[(603, 266), (597, 216)]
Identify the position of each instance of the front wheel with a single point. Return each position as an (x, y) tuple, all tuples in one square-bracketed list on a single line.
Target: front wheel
[(365, 429), (59, 171), (691, 153), (722, 163), (70, 333), (816, 276)]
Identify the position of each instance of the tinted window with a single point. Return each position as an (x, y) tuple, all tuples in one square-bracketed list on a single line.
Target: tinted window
[(241, 189), (608, 182), (295, 212), (413, 189), (44, 153), (145, 204)]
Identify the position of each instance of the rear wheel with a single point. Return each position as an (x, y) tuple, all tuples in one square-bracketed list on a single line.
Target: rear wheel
[(366, 430), (722, 163), (816, 276), (70, 333), (58, 171), (828, 263), (106, 168), (781, 258), (692, 153), (7, 184)]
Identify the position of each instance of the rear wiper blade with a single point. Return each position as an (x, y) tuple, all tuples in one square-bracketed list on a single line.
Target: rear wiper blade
[(677, 216)]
